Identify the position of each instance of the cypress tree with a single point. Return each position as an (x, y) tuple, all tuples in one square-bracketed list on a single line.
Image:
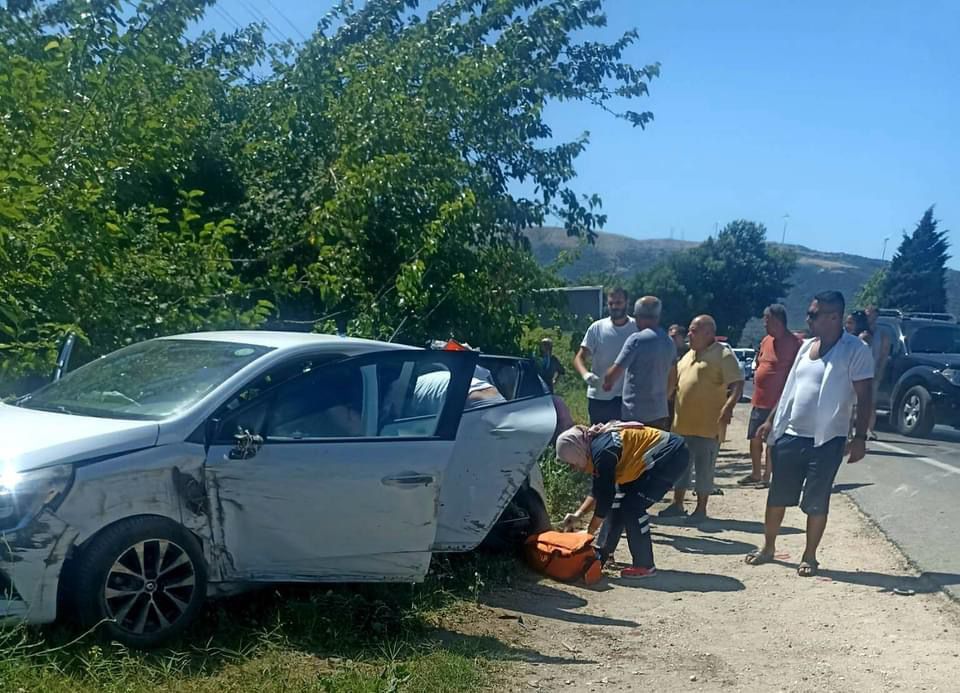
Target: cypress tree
[(916, 278)]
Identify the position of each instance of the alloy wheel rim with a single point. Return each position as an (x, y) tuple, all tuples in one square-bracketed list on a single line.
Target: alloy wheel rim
[(150, 586), (911, 410)]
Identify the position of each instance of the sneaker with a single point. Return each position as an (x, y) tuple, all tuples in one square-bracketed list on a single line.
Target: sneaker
[(672, 510), (637, 573), (697, 518)]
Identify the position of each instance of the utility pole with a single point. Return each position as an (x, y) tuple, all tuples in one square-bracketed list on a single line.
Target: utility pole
[(783, 237), (883, 255)]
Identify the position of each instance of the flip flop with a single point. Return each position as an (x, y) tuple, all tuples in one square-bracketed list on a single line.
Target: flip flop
[(758, 557), (808, 568)]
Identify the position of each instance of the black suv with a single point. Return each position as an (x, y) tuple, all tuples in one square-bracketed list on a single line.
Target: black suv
[(920, 385)]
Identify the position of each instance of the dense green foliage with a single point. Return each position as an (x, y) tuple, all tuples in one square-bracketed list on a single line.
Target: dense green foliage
[(916, 277), (153, 183), (732, 277), (565, 487), (871, 294)]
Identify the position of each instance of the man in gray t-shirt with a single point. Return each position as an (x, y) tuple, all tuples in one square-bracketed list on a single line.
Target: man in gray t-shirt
[(645, 363)]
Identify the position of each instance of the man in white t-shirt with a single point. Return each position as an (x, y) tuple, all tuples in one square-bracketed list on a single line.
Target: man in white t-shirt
[(808, 429), (602, 344)]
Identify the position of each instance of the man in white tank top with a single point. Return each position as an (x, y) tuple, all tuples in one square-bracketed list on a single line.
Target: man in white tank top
[(808, 429)]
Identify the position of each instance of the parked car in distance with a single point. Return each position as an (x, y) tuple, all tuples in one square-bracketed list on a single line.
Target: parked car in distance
[(139, 484), (920, 385), (746, 357)]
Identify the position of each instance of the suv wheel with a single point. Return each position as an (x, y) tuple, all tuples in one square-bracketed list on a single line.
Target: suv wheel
[(144, 578), (914, 416)]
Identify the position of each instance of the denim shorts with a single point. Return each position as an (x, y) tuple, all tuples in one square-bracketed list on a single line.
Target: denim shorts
[(803, 474)]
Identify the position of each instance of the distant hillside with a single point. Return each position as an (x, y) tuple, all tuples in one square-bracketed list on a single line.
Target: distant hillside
[(816, 271)]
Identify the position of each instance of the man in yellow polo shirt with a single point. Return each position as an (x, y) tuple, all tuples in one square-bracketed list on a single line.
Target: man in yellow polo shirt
[(709, 385)]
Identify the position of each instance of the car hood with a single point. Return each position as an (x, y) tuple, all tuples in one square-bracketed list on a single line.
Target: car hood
[(938, 360), (30, 439)]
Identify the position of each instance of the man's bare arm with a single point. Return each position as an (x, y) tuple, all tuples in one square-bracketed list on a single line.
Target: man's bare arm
[(612, 375), (736, 392), (579, 363), (884, 355), (858, 446), (864, 390)]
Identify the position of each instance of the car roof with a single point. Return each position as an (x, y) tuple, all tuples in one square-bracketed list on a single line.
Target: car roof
[(289, 340)]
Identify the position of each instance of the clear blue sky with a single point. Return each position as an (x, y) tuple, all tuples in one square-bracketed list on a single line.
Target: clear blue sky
[(844, 115)]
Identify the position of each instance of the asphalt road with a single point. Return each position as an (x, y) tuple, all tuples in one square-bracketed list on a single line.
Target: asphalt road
[(911, 488)]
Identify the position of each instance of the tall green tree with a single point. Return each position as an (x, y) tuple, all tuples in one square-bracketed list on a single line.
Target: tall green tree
[(732, 277), (872, 293), (154, 181), (916, 278), (396, 209)]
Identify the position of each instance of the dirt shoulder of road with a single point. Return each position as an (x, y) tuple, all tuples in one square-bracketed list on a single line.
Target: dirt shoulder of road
[(709, 622)]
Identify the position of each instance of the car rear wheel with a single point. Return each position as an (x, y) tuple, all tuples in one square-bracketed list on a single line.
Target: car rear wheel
[(143, 578), (914, 413), (524, 516)]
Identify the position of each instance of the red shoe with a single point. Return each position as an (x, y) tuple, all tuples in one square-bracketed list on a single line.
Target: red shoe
[(637, 573)]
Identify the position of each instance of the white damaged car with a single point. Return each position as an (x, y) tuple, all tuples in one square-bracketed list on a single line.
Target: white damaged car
[(192, 466)]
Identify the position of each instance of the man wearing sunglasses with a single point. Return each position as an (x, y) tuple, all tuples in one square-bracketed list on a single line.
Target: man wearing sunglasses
[(808, 429)]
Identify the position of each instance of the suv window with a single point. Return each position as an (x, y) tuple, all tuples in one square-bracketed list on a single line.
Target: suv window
[(935, 339)]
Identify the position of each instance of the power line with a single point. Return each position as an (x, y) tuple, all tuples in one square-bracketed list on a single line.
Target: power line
[(286, 19), (226, 16), (258, 16)]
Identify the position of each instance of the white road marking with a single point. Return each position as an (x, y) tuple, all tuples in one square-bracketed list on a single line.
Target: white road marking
[(926, 460)]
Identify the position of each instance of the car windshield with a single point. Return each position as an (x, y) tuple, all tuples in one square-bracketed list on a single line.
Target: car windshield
[(149, 381), (936, 339)]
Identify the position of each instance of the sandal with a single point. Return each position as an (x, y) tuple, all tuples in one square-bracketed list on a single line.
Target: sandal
[(808, 568), (748, 480), (758, 557)]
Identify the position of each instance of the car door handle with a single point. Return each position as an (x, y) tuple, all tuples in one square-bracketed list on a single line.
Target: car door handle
[(408, 480)]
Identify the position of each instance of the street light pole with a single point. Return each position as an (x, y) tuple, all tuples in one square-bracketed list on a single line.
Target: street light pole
[(783, 237), (883, 255)]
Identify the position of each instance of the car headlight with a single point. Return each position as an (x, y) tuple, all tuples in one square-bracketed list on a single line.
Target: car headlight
[(952, 375), (24, 494)]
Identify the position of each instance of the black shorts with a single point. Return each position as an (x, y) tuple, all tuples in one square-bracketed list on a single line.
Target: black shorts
[(604, 410), (758, 417), (800, 468)]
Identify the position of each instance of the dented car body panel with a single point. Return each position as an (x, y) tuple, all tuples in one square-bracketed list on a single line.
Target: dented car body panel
[(275, 486), (344, 512), (496, 449)]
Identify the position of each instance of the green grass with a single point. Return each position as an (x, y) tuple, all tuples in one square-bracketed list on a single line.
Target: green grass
[(566, 488), (361, 638)]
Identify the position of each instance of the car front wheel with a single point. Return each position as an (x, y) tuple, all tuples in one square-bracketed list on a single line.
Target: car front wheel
[(144, 579), (915, 415)]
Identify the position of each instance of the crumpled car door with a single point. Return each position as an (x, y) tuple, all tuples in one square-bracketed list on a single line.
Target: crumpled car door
[(296, 500), (497, 446)]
